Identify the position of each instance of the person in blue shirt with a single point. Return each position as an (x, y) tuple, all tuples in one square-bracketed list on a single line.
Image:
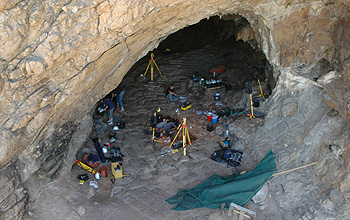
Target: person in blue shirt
[(109, 108), (118, 94)]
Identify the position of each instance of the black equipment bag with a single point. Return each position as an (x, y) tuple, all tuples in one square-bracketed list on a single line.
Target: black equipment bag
[(218, 156), (83, 177), (234, 160)]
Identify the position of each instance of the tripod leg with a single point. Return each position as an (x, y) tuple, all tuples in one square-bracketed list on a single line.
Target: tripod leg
[(147, 68), (152, 71), (184, 140), (251, 106), (157, 67), (261, 90), (188, 137), (178, 132)]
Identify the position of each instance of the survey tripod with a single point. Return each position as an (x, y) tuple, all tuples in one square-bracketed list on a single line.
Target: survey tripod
[(152, 63), (256, 76), (185, 135), (153, 137), (249, 90)]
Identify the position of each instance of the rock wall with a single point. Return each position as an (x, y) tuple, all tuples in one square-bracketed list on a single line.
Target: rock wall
[(57, 58), (300, 128)]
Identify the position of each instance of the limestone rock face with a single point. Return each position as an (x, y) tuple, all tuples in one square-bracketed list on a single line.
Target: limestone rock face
[(58, 57)]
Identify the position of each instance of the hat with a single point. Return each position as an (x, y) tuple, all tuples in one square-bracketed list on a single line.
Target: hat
[(97, 175), (104, 150)]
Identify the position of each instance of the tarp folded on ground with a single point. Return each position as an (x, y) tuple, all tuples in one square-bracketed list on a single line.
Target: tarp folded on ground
[(218, 189)]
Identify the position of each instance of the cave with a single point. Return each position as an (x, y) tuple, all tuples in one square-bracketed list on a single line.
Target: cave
[(58, 59)]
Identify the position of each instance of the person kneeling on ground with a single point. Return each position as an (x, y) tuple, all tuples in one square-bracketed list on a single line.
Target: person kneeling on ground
[(161, 125), (170, 94), (168, 126)]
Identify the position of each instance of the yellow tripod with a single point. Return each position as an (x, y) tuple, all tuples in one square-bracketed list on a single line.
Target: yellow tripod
[(262, 94), (256, 76), (185, 135), (248, 89), (153, 139), (152, 63), (251, 107)]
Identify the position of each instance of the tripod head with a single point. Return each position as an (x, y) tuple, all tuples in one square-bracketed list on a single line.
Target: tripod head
[(255, 73), (248, 88)]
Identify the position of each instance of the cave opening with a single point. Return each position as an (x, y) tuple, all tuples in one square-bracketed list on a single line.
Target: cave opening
[(182, 57), (193, 51)]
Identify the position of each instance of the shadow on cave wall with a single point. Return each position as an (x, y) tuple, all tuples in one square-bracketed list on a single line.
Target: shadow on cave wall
[(219, 34)]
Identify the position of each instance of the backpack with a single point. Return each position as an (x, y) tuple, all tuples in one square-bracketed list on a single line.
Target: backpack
[(235, 158), (218, 156)]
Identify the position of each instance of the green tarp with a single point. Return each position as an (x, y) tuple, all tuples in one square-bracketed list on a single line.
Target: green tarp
[(218, 189)]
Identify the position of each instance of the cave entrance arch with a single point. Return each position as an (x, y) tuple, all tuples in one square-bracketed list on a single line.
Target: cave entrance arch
[(232, 37)]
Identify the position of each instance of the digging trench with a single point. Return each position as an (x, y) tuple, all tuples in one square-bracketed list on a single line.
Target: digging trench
[(49, 93)]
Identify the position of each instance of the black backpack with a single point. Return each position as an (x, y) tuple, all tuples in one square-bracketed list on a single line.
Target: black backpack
[(218, 156), (234, 160)]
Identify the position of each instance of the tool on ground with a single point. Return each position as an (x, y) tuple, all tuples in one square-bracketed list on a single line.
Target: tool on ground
[(186, 106), (117, 171), (82, 178), (248, 89), (296, 168), (256, 76), (185, 136), (218, 69), (87, 168), (226, 143), (152, 63), (241, 212), (116, 158)]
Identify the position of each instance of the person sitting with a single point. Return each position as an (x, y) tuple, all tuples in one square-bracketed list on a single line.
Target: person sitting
[(170, 94)]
